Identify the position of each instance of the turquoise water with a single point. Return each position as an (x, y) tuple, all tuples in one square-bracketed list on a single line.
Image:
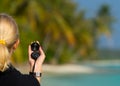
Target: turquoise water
[(103, 76), (102, 79)]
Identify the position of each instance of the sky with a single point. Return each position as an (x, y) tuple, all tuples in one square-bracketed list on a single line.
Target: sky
[(91, 7)]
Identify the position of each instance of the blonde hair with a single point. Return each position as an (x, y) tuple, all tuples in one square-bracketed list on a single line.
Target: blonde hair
[(8, 36)]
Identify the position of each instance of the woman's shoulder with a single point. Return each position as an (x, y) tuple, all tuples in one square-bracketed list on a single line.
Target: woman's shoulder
[(21, 79), (26, 79)]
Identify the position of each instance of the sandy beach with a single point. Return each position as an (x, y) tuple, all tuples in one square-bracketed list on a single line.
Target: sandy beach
[(66, 69), (70, 68)]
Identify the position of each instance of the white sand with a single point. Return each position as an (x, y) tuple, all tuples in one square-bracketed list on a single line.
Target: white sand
[(69, 68)]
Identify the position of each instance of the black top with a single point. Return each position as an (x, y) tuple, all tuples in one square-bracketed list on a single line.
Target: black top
[(12, 77)]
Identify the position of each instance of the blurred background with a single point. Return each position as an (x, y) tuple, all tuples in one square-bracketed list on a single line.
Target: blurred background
[(80, 39)]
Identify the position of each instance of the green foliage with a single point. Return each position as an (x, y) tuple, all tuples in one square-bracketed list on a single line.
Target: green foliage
[(64, 33)]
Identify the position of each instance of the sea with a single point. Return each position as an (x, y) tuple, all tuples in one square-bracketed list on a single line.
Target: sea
[(103, 76)]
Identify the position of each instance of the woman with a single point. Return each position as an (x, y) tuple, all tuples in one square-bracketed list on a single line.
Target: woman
[(9, 40)]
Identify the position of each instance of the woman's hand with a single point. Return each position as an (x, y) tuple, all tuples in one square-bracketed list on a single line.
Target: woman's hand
[(39, 61)]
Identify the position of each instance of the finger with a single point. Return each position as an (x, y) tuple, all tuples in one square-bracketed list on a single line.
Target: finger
[(31, 61), (41, 52), (38, 42), (29, 52), (42, 56)]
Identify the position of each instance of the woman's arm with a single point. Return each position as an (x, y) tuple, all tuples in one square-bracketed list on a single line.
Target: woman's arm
[(38, 63)]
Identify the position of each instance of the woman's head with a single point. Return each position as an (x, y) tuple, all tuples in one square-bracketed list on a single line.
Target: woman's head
[(9, 37)]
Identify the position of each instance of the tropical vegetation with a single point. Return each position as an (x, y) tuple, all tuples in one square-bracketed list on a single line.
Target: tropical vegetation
[(64, 32)]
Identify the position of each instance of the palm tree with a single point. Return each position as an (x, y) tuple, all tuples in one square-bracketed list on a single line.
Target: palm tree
[(45, 20), (65, 34), (91, 29)]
